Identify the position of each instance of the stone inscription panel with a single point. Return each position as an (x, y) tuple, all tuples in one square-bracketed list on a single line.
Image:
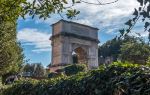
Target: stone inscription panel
[(80, 30), (83, 31), (76, 29)]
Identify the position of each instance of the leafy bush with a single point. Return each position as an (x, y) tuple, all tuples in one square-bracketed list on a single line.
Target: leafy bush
[(2, 89), (31, 87), (60, 70), (54, 75), (148, 62), (74, 69), (115, 79)]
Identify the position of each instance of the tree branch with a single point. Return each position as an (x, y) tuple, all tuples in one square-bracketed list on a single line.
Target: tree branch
[(61, 15), (99, 3), (138, 17)]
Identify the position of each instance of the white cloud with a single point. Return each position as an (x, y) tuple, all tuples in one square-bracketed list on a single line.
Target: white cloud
[(107, 16), (113, 31), (84, 21), (41, 50), (30, 1), (142, 33), (145, 34), (100, 16), (40, 40), (54, 18)]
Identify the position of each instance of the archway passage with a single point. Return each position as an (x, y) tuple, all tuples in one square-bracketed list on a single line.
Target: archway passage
[(79, 55), (74, 58)]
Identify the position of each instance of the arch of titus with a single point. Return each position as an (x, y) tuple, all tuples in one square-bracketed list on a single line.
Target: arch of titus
[(69, 37)]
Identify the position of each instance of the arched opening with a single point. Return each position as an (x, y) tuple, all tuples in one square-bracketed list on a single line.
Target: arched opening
[(74, 58), (79, 56)]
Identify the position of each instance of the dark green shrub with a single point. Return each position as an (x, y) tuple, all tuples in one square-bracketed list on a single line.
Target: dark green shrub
[(54, 75), (60, 70), (74, 69), (115, 79)]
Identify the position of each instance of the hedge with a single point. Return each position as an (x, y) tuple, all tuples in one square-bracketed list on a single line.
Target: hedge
[(74, 69), (54, 75), (116, 79)]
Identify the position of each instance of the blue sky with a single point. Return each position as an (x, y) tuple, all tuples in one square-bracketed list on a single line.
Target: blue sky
[(34, 33)]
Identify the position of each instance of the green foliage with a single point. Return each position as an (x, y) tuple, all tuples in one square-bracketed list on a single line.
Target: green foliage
[(3, 88), (115, 79), (74, 69), (39, 71), (148, 62), (135, 52), (32, 87), (132, 49), (68, 70), (44, 8), (110, 48), (113, 47), (12, 9), (11, 56), (72, 13), (54, 75), (35, 69)]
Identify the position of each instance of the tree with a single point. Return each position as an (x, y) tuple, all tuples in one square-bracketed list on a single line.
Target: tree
[(129, 48), (135, 52), (39, 70), (10, 10), (11, 56), (112, 47), (27, 68), (35, 69)]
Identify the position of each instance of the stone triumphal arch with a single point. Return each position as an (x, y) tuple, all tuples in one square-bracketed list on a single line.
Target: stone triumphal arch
[(70, 37)]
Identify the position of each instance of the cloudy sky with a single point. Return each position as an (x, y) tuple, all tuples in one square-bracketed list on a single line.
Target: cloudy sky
[(34, 33)]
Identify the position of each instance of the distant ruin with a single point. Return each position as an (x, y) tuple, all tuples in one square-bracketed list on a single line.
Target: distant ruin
[(70, 38)]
